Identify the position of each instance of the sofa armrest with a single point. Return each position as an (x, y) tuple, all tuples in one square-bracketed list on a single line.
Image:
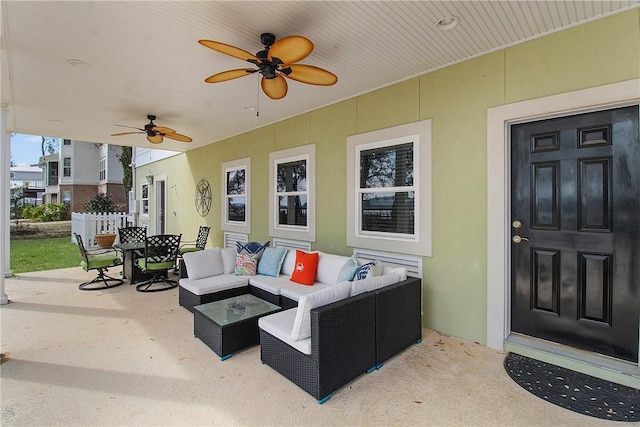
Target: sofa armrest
[(343, 341), (398, 317)]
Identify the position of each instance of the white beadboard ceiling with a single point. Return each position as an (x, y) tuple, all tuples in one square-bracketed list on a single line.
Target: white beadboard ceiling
[(143, 57)]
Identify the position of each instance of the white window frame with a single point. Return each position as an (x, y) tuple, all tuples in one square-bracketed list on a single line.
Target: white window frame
[(305, 233), (66, 169), (144, 201), (243, 227), (409, 139), (420, 242), (103, 169)]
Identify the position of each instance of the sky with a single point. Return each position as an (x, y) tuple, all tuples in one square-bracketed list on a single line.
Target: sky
[(25, 149)]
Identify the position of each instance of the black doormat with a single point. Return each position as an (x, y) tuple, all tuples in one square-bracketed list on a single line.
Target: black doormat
[(573, 390)]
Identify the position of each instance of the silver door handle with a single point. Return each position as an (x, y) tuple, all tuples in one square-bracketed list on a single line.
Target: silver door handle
[(518, 239)]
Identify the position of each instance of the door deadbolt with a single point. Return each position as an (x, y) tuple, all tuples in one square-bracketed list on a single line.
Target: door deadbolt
[(516, 224)]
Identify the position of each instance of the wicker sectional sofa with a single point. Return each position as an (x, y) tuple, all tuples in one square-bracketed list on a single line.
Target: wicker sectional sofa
[(327, 334)]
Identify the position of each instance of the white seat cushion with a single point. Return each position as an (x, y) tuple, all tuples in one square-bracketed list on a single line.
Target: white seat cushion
[(203, 263), (268, 283), (329, 267), (295, 291), (373, 283), (302, 323), (279, 325), (208, 285)]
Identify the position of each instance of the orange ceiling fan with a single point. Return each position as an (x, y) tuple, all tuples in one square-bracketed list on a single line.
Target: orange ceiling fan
[(275, 62), (155, 134)]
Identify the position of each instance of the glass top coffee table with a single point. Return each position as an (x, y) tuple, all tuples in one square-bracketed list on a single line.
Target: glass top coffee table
[(231, 324)]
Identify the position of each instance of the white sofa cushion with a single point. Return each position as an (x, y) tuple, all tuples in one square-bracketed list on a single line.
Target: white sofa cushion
[(373, 283), (295, 291), (205, 263), (329, 268), (401, 271), (279, 325), (228, 259), (289, 263), (302, 323), (270, 284), (211, 284)]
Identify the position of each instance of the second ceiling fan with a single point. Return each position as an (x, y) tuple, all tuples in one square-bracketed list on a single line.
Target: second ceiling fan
[(275, 62)]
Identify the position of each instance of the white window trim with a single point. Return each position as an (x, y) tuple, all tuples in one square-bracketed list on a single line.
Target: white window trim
[(237, 226), (308, 233), (144, 214), (420, 243), (415, 141)]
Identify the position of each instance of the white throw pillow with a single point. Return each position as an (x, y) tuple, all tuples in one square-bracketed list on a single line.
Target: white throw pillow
[(373, 283), (302, 324), (329, 268), (228, 259), (203, 263)]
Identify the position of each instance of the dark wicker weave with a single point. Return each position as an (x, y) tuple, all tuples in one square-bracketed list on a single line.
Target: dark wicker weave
[(264, 295), (227, 339), (342, 347), (398, 318), (188, 300), (287, 303)]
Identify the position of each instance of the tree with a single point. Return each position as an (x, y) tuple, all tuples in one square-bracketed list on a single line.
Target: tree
[(49, 145), (125, 160), (101, 203)]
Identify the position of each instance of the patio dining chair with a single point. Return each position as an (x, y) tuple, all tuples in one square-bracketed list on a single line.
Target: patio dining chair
[(160, 255), (100, 260), (132, 234), (193, 245)]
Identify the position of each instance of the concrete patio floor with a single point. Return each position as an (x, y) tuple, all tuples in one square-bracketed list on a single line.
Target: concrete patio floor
[(120, 357)]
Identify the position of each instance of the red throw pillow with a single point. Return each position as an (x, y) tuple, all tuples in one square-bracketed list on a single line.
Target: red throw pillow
[(304, 271)]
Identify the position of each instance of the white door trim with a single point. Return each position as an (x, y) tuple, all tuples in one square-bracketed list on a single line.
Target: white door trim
[(158, 208), (498, 200)]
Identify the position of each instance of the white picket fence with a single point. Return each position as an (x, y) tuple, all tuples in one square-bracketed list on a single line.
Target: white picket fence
[(87, 225)]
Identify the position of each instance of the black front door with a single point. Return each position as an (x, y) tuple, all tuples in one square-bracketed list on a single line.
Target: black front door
[(575, 221)]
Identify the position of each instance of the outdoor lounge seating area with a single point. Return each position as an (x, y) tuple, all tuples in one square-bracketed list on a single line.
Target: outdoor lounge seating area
[(140, 365), (342, 317)]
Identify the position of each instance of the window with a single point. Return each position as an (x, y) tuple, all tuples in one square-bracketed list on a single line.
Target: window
[(12, 175), (66, 142), (66, 197), (292, 188), (386, 191), (144, 199), (103, 168), (389, 189), (235, 191), (66, 163)]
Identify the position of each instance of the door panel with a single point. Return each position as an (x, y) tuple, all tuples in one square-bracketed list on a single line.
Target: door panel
[(576, 201)]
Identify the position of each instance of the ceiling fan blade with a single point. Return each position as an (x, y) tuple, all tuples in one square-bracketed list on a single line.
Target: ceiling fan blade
[(132, 127), (275, 88), (163, 130), (229, 75), (311, 75), (290, 49), (155, 139), (178, 137), (126, 133), (236, 52)]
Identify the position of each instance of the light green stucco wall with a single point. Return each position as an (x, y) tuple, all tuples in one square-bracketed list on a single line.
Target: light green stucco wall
[(456, 99)]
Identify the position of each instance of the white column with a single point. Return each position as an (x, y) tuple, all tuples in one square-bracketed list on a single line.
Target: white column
[(5, 168)]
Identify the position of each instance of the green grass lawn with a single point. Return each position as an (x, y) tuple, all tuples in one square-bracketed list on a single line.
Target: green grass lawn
[(43, 254)]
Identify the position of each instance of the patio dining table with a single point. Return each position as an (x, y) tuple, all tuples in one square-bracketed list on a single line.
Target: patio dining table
[(131, 251)]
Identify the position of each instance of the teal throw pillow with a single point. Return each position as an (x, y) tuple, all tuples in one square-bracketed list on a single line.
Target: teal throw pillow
[(271, 261)]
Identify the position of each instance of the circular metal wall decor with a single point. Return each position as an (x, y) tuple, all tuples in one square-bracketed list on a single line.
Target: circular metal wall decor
[(203, 197)]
